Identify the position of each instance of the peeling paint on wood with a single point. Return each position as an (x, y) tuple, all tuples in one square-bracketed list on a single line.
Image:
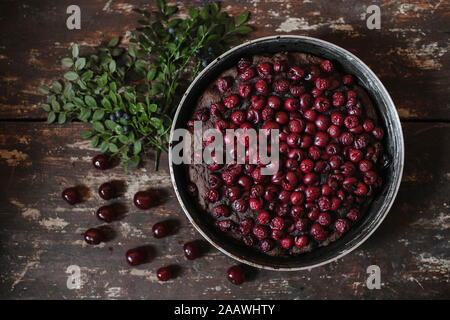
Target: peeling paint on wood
[(411, 247)]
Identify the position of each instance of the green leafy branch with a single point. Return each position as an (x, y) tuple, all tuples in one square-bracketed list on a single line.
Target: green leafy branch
[(129, 95)]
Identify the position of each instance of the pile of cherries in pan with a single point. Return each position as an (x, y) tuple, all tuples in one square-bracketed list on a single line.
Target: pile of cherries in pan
[(328, 150), (143, 200)]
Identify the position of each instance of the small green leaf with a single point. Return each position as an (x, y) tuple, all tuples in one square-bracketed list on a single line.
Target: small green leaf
[(98, 114), (104, 146), (90, 102), (112, 66), (67, 62), (86, 134), (243, 30), (71, 76), (46, 107), (80, 63), (68, 106), (243, 17), (56, 106), (171, 10), (193, 13), (114, 42), (75, 51), (152, 107), (123, 139), (62, 118), (44, 89), (136, 160), (113, 148), (56, 86), (95, 141), (137, 147), (161, 5), (106, 104), (151, 74), (51, 117), (87, 75), (98, 126), (111, 125), (204, 13)]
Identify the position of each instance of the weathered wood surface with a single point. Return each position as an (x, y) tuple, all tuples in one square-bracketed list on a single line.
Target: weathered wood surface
[(40, 236), (409, 53)]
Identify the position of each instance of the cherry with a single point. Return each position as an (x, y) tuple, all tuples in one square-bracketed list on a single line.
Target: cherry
[(144, 200), (244, 90), (279, 66), (296, 125), (221, 210), (101, 162), (236, 275), (342, 225), (136, 256), (256, 204), (238, 117), (106, 213), (263, 69), (261, 86), (192, 189), (71, 195), (241, 205), (281, 117), (347, 79), (258, 102), (274, 102), (93, 236), (338, 99), (295, 73), (260, 232), (322, 83), (291, 104), (318, 232), (212, 195), (287, 242), (263, 217), (224, 84), (107, 191), (231, 101), (191, 250), (327, 66), (301, 241), (244, 63), (281, 85), (225, 225), (378, 133), (160, 230), (163, 274)]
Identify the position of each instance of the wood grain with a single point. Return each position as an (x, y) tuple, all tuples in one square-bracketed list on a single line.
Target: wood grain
[(40, 235), (409, 53)]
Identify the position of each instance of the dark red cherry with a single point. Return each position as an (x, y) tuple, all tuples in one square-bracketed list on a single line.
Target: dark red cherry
[(100, 162), (136, 256), (191, 250), (93, 236), (106, 213), (163, 274), (160, 230), (106, 191), (236, 275), (144, 200), (71, 195)]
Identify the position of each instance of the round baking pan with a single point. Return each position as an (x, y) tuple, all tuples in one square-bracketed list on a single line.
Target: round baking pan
[(393, 142)]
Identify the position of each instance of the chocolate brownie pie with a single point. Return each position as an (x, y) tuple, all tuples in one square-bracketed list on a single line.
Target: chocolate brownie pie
[(330, 146)]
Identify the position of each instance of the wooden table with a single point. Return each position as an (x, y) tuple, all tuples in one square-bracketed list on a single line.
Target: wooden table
[(41, 236)]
